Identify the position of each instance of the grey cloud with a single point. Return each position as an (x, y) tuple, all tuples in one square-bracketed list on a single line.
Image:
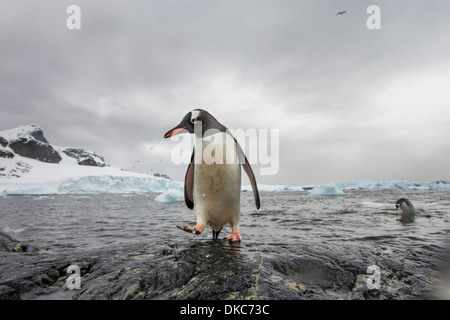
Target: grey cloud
[(135, 68)]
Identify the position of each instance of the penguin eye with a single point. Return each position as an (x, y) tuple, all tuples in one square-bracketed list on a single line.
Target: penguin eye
[(193, 120)]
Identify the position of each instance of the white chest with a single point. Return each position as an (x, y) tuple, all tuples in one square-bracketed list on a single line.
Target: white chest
[(406, 209), (217, 179)]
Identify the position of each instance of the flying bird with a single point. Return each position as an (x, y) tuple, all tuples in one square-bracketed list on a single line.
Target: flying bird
[(341, 12), (215, 187)]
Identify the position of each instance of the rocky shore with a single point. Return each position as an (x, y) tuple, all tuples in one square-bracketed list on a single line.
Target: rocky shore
[(217, 269)]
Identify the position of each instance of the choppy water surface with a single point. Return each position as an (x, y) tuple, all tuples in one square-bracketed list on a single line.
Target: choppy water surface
[(80, 222)]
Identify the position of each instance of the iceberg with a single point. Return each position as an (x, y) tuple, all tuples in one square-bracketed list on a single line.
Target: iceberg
[(368, 184), (116, 184), (92, 185), (331, 189), (265, 187), (272, 188), (30, 165), (360, 183), (439, 185), (23, 175), (170, 196), (28, 189)]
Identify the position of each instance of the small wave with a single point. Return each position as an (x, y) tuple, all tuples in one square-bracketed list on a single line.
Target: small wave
[(375, 238), (342, 211), (11, 230), (376, 205)]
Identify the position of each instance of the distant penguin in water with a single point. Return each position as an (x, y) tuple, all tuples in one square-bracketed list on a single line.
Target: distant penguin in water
[(408, 210), (214, 186)]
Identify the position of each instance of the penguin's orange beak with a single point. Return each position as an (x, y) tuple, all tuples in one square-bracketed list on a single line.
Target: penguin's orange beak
[(173, 132)]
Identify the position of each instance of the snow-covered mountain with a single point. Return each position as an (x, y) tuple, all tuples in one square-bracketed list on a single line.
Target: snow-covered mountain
[(29, 164), (29, 141)]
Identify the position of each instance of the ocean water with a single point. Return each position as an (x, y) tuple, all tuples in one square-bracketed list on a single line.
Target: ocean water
[(62, 223)]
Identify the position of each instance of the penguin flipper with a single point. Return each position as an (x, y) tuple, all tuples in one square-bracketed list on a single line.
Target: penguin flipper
[(248, 170), (189, 184), (251, 176)]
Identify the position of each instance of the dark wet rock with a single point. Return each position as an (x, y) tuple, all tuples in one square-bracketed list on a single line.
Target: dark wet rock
[(162, 175), (38, 134), (218, 270), (9, 244), (16, 171), (6, 154), (3, 142), (85, 158), (8, 293), (35, 149), (29, 141)]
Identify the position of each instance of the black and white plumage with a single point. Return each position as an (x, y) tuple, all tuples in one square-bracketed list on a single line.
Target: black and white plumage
[(408, 210), (341, 13), (214, 188)]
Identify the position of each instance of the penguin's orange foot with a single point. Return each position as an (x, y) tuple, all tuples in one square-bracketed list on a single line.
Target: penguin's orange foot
[(195, 230), (234, 237)]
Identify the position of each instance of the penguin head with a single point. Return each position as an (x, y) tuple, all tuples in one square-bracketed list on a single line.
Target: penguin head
[(399, 202), (408, 204), (408, 212), (197, 121)]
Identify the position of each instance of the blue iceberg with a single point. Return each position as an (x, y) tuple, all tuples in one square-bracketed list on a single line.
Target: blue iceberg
[(331, 189), (170, 196)]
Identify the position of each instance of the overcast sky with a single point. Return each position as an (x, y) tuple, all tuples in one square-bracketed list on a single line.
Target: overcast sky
[(348, 101)]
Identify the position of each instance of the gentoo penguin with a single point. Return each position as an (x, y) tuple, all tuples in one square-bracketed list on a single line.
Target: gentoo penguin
[(213, 177), (408, 211)]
